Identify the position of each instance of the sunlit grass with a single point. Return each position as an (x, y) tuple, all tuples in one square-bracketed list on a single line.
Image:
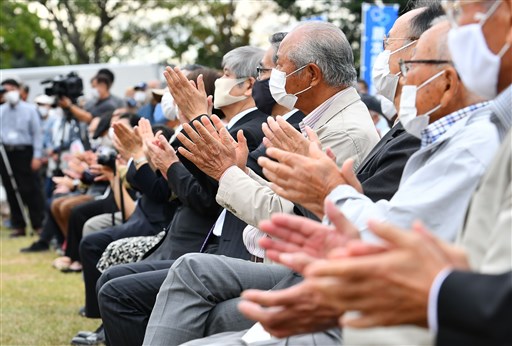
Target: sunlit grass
[(38, 304)]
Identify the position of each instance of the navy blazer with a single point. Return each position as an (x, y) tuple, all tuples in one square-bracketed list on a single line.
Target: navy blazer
[(261, 150), (381, 171), (475, 309)]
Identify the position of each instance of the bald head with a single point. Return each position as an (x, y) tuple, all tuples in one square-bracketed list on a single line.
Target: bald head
[(325, 45)]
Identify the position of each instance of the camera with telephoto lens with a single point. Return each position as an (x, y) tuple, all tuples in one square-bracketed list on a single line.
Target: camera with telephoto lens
[(70, 85), (107, 158)]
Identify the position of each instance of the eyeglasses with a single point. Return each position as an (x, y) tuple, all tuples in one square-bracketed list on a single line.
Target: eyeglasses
[(261, 70), (386, 39), (405, 65)]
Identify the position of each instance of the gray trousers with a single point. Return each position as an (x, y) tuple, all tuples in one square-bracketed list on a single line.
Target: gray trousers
[(195, 285), (100, 222), (331, 337)]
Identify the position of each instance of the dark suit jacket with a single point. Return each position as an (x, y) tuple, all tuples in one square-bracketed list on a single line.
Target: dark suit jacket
[(196, 194), (231, 242), (194, 188), (261, 150), (475, 309), (381, 170), (154, 202)]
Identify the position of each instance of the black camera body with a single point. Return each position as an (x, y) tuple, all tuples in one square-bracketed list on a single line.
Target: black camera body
[(108, 158), (70, 85)]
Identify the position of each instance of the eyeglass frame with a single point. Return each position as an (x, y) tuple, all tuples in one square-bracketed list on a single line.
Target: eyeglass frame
[(261, 69), (385, 40), (402, 64)]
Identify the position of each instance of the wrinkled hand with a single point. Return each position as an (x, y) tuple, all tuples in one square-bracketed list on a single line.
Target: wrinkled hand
[(160, 154), (127, 141), (190, 100), (282, 135), (291, 311), (211, 149), (297, 241), (388, 285)]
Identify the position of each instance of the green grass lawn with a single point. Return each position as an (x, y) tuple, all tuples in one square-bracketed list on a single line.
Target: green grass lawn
[(38, 304)]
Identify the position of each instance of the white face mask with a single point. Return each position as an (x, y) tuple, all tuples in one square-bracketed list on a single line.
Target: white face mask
[(222, 97), (94, 95), (139, 96), (168, 107), (12, 97), (386, 83), (277, 86), (478, 67), (43, 111), (413, 123)]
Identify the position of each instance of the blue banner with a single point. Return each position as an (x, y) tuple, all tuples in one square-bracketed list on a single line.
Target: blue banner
[(377, 20)]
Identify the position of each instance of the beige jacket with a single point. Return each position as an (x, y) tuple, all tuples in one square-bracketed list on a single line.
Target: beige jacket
[(346, 127), (487, 235)]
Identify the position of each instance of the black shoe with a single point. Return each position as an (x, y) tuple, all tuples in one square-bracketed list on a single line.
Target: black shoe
[(81, 311), (90, 338), (37, 246)]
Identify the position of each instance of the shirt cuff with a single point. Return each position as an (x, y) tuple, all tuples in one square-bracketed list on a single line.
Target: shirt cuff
[(433, 298), (226, 172)]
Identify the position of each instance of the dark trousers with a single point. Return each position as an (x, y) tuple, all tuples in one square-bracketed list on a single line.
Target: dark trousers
[(93, 245), (79, 215), (28, 187), (127, 294)]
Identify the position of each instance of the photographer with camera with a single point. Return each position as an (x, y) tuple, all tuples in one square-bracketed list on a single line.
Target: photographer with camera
[(100, 102), (21, 149)]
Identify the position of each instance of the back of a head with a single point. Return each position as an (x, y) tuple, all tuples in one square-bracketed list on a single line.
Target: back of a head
[(423, 21), (325, 45), (243, 61), (209, 77), (275, 42)]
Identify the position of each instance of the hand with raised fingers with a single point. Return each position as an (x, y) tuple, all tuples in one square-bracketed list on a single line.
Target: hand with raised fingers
[(294, 240), (282, 135), (387, 284), (192, 101), (160, 154)]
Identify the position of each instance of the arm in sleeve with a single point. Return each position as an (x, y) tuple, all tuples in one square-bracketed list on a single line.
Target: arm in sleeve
[(151, 184), (475, 308), (37, 136), (196, 194), (248, 199)]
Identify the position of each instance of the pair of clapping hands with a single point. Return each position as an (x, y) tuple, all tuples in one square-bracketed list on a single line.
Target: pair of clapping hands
[(140, 142)]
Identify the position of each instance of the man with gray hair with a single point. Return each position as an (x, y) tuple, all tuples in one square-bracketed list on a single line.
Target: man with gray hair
[(314, 73)]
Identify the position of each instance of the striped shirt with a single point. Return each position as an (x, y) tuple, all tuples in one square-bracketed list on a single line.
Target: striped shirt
[(440, 126), (312, 118)]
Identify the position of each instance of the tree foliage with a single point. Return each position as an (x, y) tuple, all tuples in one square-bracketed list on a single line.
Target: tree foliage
[(92, 31), (23, 42), (344, 13)]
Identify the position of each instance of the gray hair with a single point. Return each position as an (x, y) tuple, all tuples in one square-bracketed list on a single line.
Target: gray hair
[(325, 45), (243, 61), (275, 42)]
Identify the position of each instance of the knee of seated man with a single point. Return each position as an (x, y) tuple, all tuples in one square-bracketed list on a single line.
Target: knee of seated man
[(191, 262)]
